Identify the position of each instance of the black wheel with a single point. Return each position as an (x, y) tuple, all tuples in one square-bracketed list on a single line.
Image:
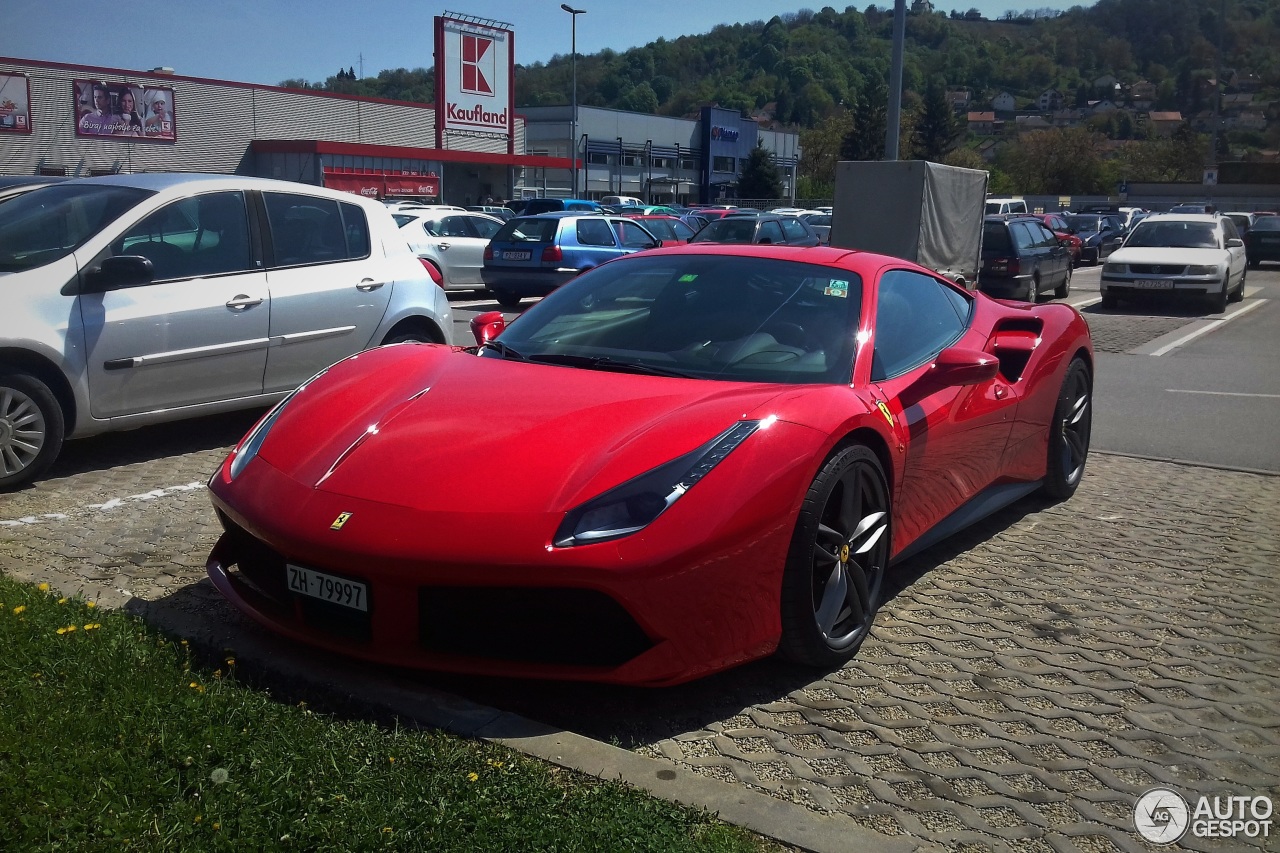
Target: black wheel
[(1069, 432), (31, 428), (507, 299), (1109, 300), (1033, 288), (836, 566), (1064, 289), (1218, 302), (1237, 295), (419, 336)]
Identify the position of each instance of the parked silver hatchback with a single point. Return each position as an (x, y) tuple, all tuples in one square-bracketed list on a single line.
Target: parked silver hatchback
[(136, 299)]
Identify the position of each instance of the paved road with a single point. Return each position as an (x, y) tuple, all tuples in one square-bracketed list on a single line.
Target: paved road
[(1028, 680)]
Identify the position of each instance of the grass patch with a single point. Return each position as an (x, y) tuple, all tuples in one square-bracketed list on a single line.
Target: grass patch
[(115, 737)]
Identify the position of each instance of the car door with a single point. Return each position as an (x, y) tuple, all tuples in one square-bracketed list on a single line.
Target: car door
[(465, 239), (1231, 232), (329, 286), (197, 332), (1053, 256), (770, 232), (954, 436), (633, 237)]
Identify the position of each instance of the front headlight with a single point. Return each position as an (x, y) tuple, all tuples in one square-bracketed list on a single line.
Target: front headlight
[(251, 443), (1114, 269), (634, 505), (1204, 270)]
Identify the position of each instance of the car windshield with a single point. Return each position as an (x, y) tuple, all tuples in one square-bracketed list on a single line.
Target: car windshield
[(1266, 223), (1085, 224), (1175, 235), (705, 316), (527, 230), (46, 224)]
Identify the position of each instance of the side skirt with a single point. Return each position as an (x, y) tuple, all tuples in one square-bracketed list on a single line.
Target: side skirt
[(978, 507)]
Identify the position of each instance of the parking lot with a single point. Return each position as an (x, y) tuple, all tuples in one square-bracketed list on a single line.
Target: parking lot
[(1028, 680)]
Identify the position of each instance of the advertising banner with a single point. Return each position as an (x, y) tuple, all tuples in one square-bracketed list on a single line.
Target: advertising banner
[(15, 104), (124, 110), (384, 186), (474, 66)]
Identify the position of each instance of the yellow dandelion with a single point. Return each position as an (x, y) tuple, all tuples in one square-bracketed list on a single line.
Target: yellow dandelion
[(471, 777), (91, 604), (391, 758), (184, 642), (61, 631), (386, 829), (493, 763), (217, 825), (70, 628), (62, 600), (217, 673), (92, 626), (193, 684), (19, 609), (231, 661), (44, 587), (199, 818)]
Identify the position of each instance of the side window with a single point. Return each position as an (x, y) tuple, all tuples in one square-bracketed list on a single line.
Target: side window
[(1229, 230), (916, 318), (1023, 241), (683, 232), (1044, 237), (454, 226), (794, 230), (632, 236), (484, 228), (305, 230), (1018, 207), (595, 232), (770, 232), (357, 228), (199, 236)]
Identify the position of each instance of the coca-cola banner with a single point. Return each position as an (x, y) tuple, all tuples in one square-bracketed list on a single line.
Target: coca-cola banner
[(15, 104), (383, 186), (124, 110)]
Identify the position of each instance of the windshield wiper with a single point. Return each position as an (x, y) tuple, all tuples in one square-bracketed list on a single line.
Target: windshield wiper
[(600, 362), (505, 351)]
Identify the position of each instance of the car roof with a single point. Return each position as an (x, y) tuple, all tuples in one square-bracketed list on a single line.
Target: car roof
[(176, 183), (1211, 218)]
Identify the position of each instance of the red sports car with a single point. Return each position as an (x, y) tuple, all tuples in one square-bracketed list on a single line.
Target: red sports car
[(684, 459)]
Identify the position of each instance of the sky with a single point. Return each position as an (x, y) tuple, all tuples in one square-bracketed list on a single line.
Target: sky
[(268, 41)]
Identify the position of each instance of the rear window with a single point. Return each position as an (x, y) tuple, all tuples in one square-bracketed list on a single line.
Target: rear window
[(527, 230), (995, 238)]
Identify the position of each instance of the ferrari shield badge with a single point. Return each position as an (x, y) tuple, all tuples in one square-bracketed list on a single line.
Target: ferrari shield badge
[(341, 520), (884, 410)]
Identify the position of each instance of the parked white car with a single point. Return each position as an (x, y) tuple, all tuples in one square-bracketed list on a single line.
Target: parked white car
[(135, 299), (451, 242), (1180, 254)]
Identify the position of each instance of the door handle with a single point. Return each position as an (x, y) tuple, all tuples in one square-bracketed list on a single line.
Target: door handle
[(444, 246), (367, 285), (243, 301)]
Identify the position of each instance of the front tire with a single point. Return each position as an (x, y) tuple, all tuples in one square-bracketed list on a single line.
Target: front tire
[(835, 571), (31, 428), (1069, 433), (1218, 302), (1237, 295), (1064, 289)]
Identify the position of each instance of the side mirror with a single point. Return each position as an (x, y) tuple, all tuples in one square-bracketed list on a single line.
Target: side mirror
[(487, 326), (960, 366), (1234, 243), (116, 272)]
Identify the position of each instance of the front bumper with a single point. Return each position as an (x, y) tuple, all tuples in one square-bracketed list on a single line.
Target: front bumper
[(1157, 285)]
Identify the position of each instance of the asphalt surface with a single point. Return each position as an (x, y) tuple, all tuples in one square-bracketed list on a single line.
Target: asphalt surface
[(1028, 680)]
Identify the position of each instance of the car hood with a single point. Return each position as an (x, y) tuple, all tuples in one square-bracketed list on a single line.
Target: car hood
[(1167, 256), (437, 429)]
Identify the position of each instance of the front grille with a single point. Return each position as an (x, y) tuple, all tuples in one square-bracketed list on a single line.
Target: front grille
[(547, 625), (259, 563), (1157, 269)]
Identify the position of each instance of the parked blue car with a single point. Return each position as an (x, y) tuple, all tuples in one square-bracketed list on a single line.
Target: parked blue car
[(554, 205), (533, 255)]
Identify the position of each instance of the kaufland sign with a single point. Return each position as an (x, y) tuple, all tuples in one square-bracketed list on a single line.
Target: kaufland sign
[(474, 65)]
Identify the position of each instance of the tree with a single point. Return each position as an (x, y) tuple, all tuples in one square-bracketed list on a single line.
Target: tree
[(865, 140), (937, 128), (1060, 161), (759, 178)]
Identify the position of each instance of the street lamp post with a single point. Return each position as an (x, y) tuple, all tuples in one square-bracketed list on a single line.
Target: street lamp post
[(573, 132)]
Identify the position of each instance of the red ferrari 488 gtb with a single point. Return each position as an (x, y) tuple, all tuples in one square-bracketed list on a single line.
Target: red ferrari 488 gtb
[(682, 460)]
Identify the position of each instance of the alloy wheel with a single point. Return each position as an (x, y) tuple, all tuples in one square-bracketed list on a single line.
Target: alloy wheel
[(1075, 426), (23, 431)]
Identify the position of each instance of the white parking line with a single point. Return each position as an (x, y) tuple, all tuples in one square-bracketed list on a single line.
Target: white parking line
[(1221, 393), (1210, 325), (1084, 302), (113, 503)]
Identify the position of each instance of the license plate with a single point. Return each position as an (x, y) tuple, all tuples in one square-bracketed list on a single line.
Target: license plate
[(329, 588), (1154, 284), (515, 256)]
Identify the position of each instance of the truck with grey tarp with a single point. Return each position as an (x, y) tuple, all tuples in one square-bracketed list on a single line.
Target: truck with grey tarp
[(913, 209)]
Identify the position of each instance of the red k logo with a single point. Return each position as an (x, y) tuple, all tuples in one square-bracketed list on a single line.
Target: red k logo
[(477, 65)]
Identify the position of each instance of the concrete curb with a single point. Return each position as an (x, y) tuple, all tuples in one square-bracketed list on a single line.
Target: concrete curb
[(377, 689)]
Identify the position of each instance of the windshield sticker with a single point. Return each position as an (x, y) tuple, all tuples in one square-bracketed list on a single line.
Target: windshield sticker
[(836, 287), (687, 277)]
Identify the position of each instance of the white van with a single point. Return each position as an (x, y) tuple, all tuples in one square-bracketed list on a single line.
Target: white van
[(622, 201), (1005, 205)]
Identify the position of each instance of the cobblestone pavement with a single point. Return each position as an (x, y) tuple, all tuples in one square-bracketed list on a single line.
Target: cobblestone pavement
[(1123, 332), (1029, 679)]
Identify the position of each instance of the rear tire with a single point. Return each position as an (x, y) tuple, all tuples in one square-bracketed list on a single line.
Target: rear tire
[(507, 299), (1109, 301), (835, 570), (1069, 433), (31, 428)]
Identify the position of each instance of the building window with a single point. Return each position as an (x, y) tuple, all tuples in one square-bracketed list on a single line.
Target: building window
[(53, 170), (722, 164), (662, 162), (598, 159), (688, 163), (631, 160)]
